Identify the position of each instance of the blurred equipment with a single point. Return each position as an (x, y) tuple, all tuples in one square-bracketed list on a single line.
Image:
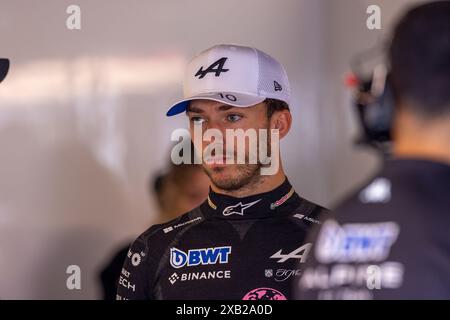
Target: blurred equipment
[(4, 67), (373, 99)]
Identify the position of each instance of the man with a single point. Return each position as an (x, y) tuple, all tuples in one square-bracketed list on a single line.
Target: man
[(245, 240), (4, 67), (391, 239)]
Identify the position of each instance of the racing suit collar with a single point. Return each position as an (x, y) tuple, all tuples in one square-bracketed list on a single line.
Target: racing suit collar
[(279, 200)]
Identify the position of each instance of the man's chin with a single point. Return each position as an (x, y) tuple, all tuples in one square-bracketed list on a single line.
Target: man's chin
[(228, 177), (221, 176)]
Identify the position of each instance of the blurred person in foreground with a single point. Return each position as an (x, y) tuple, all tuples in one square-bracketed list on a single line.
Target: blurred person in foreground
[(391, 239), (245, 240), (178, 190)]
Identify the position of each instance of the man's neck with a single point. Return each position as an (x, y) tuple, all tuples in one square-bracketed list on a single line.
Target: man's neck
[(424, 139), (258, 185)]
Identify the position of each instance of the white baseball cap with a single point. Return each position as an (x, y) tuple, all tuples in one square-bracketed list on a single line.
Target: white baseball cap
[(235, 75)]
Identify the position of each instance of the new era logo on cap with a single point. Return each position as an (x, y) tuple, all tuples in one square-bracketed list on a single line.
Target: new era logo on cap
[(277, 86), (236, 75)]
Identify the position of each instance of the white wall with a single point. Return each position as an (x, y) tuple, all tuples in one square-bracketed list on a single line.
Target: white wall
[(82, 123)]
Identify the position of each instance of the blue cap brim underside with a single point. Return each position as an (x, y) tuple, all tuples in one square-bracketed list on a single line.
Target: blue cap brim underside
[(178, 108)]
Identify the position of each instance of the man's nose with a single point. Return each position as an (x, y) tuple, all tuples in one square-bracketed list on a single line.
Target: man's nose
[(217, 125)]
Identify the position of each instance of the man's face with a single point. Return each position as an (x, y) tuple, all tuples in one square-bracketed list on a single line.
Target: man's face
[(217, 115), (193, 191), (185, 193)]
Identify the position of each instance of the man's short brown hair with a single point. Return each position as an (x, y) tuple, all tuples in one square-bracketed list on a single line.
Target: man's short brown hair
[(274, 105)]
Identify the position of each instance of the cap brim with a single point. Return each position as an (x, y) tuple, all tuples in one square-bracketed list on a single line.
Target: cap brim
[(4, 67), (240, 100)]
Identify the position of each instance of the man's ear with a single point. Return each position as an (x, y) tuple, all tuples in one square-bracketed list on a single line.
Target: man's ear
[(281, 120)]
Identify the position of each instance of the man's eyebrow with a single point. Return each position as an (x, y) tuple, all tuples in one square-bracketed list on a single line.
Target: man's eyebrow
[(223, 107), (194, 109)]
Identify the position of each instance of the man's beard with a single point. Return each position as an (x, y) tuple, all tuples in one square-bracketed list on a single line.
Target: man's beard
[(242, 175), (237, 175)]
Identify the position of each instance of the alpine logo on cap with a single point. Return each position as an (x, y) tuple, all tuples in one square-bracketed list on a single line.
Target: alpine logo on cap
[(216, 67), (238, 208)]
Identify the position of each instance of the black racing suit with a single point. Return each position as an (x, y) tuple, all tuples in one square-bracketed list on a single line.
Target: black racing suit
[(391, 240), (227, 248)]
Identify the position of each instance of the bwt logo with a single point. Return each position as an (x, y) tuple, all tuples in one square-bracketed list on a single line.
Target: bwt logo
[(197, 257), (355, 242)]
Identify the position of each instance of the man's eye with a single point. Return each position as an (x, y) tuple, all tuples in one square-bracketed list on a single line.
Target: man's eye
[(197, 120), (233, 117)]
